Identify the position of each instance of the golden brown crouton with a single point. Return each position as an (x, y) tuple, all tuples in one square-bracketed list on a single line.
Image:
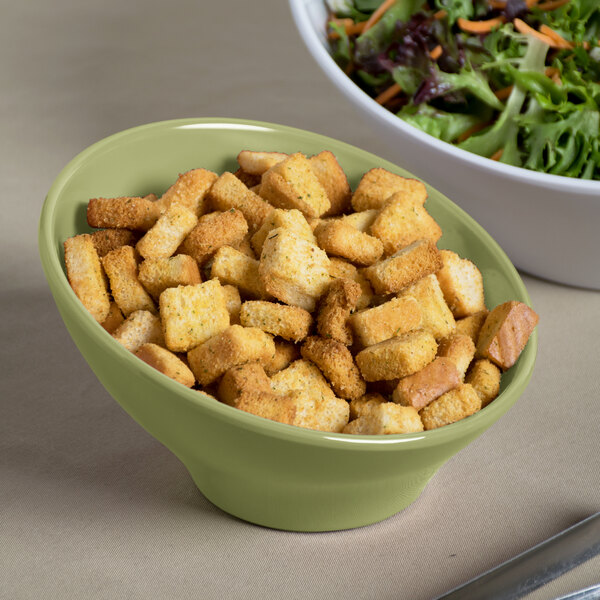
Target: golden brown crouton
[(289, 322), (505, 333), (484, 376), (233, 302), (85, 275), (256, 163), (302, 375), (424, 386), (158, 274), (245, 246), (335, 308), (471, 325), (399, 356), (213, 231), (192, 314), (397, 316), (341, 239), (106, 240), (121, 267), (269, 406), (229, 192), (140, 327), (402, 221), (450, 407), (166, 362), (293, 270), (361, 406), (339, 268), (288, 219), (285, 353), (128, 212), (250, 180), (233, 267), (404, 267), (189, 190), (113, 319), (461, 283), (362, 220), (385, 419), (293, 184), (377, 185), (234, 346), (250, 377), (460, 349), (333, 179), (164, 237), (337, 364)]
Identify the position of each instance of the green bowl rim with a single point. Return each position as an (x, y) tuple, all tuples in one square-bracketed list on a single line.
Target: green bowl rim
[(53, 267)]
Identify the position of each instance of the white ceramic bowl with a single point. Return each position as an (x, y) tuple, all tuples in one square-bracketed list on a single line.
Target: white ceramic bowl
[(547, 224)]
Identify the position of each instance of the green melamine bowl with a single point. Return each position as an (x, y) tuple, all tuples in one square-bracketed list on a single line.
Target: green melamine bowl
[(264, 472)]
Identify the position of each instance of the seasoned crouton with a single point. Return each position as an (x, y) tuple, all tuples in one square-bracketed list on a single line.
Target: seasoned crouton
[(140, 327), (462, 284), (361, 220), (361, 406), (268, 405), (127, 212), (85, 275), (484, 376), (377, 185), (385, 419), (450, 407), (437, 317), (405, 267), (337, 364), (335, 308), (340, 269), (424, 386), (293, 184), (397, 316), (250, 180), (229, 192), (402, 221), (233, 346), (460, 349), (232, 267), (505, 333), (285, 353), (106, 240), (113, 319), (288, 219), (158, 274), (301, 375), (192, 314), (250, 377), (213, 231), (399, 356), (293, 270), (322, 414), (121, 267), (233, 303), (189, 190), (256, 163), (289, 322), (333, 179), (471, 325), (341, 239), (166, 362), (245, 246)]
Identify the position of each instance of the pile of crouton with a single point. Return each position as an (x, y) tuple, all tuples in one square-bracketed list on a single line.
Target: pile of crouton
[(279, 291)]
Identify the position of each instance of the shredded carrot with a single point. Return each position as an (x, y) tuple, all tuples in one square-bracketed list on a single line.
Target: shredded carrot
[(388, 94), (350, 26), (523, 28), (497, 4), (558, 39), (471, 131), (436, 52), (479, 26), (440, 14), (531, 3), (374, 18), (504, 93), (552, 4), (550, 71), (497, 155)]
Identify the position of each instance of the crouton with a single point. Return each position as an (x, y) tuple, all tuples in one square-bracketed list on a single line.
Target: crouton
[(192, 314), (293, 270), (233, 303), (361, 220), (289, 322), (386, 419), (377, 185), (471, 325), (229, 192), (341, 239), (460, 349), (424, 386), (166, 362), (250, 180), (268, 405), (505, 332), (158, 274), (402, 221), (321, 414), (399, 356), (333, 179), (121, 267), (232, 267), (484, 376), (113, 319), (450, 407), (164, 237), (302, 375), (397, 316), (106, 240), (340, 269), (293, 184), (127, 212), (337, 364), (361, 406), (245, 246), (285, 353), (233, 346), (462, 284), (214, 230), (140, 327), (288, 219), (335, 308), (189, 190), (85, 275), (250, 377), (256, 163)]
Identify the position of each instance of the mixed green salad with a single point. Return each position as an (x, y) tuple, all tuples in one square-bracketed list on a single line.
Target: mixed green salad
[(513, 80)]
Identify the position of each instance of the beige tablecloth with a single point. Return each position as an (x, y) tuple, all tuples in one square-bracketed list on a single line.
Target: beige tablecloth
[(93, 507)]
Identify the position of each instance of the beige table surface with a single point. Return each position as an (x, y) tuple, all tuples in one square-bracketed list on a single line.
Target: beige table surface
[(93, 507)]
